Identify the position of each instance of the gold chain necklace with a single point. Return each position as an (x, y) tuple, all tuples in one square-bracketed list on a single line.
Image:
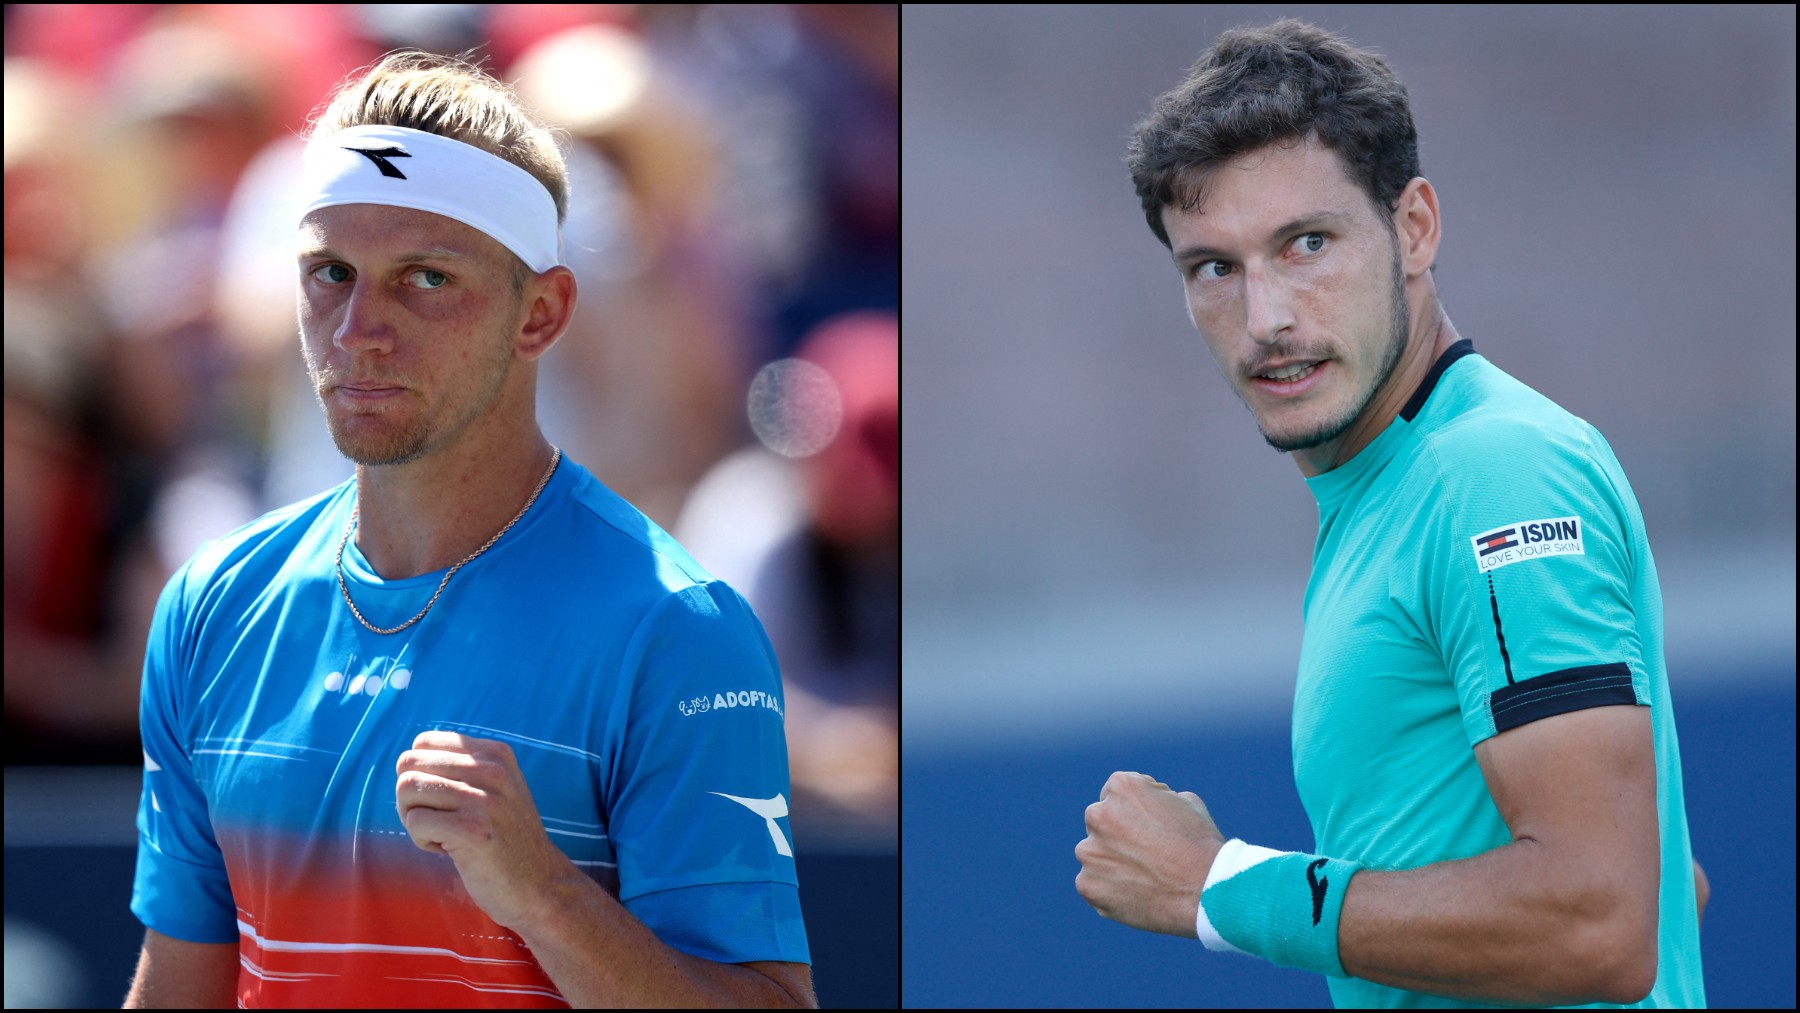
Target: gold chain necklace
[(356, 511)]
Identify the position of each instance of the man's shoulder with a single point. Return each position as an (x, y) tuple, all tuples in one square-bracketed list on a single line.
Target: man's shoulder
[(1492, 427), (615, 561), (611, 526), (257, 549), (1498, 453)]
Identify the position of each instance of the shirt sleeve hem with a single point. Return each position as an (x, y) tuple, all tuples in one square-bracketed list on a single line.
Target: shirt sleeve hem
[(1570, 689)]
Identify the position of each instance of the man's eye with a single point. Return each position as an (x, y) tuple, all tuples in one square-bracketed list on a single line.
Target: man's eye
[(1306, 243), (317, 273), (1205, 272), (434, 279)]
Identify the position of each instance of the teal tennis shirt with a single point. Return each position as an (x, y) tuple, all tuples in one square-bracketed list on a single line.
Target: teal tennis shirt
[(1480, 565)]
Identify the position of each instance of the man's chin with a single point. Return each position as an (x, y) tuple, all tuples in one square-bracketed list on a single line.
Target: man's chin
[(375, 450), (1304, 437)]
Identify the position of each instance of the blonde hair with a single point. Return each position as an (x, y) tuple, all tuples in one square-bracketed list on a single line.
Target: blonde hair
[(452, 97)]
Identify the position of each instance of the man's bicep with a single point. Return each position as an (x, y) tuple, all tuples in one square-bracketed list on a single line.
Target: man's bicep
[(176, 974), (1583, 784), (1551, 779)]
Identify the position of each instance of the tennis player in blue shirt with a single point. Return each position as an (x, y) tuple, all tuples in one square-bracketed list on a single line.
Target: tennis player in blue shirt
[(468, 730)]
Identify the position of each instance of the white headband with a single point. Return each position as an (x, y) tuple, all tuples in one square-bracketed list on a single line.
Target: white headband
[(428, 172)]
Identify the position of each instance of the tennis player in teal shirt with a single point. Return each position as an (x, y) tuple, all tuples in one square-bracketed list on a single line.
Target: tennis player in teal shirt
[(1483, 735)]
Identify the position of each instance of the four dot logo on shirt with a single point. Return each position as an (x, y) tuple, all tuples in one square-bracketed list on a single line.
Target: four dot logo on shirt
[(368, 683)]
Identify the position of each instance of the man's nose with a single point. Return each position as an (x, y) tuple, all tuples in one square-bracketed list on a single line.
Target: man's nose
[(1268, 306), (368, 323)]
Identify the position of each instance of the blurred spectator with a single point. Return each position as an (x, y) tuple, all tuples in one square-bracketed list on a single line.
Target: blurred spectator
[(808, 98), (70, 613), (647, 380), (807, 527)]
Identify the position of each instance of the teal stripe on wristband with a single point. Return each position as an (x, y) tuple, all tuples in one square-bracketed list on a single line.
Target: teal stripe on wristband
[(1284, 909)]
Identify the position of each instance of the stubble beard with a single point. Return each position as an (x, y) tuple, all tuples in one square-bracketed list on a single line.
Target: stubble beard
[(1398, 327), (402, 442)]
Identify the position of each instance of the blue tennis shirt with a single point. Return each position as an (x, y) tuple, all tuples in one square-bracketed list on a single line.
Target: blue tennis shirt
[(639, 695)]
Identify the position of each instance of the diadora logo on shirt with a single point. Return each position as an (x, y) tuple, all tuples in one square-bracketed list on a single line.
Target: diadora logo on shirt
[(1515, 543), (733, 698), (369, 678), (770, 809)]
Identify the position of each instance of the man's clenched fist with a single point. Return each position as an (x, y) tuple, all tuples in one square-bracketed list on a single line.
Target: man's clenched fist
[(1146, 854), (466, 798)]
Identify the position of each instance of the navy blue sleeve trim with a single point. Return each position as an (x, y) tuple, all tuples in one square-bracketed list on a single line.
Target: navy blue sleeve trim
[(1571, 689), (1451, 354)]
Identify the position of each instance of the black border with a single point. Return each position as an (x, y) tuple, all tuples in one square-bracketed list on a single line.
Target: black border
[(1571, 689), (1451, 354)]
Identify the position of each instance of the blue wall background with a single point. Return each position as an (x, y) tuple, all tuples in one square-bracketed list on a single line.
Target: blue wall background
[(993, 919)]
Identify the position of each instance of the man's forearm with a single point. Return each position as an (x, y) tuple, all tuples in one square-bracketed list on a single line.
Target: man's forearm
[(599, 955), (1509, 925)]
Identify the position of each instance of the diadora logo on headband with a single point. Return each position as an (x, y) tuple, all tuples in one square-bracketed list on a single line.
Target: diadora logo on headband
[(450, 178), (380, 157)]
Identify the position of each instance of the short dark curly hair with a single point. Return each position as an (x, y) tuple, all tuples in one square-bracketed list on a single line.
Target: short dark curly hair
[(1256, 86)]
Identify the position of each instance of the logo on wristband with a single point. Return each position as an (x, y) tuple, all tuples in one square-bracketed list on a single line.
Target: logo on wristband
[(1318, 886)]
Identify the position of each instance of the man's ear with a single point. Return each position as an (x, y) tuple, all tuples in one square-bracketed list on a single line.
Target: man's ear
[(1417, 227), (549, 305)]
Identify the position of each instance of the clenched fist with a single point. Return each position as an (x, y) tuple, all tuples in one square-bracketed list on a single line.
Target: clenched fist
[(1146, 855), (465, 797)]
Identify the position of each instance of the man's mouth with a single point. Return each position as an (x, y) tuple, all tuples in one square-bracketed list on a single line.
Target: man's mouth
[(368, 391), (365, 385), (1289, 373), (1289, 378)]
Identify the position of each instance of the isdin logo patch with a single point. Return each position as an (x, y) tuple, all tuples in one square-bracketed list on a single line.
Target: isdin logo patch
[(1516, 543)]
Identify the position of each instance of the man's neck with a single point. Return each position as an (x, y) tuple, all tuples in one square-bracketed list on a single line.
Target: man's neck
[(1433, 334), (432, 513)]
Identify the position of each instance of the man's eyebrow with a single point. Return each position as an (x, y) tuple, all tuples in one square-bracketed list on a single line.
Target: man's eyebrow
[(1305, 223), (414, 256)]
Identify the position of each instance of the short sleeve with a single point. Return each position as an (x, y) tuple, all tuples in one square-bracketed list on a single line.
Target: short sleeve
[(698, 805), (1530, 572), (181, 888)]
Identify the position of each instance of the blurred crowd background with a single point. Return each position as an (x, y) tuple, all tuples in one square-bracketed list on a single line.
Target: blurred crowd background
[(734, 225), (732, 371)]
